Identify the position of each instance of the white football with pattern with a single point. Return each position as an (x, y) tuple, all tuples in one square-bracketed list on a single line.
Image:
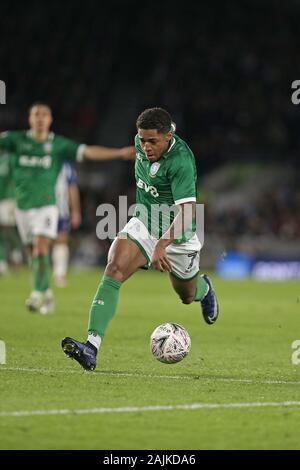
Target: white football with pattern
[(170, 343)]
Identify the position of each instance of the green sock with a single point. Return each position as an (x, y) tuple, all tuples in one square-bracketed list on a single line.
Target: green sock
[(40, 272), (104, 305), (202, 288)]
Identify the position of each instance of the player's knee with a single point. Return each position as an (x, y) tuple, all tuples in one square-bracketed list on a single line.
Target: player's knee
[(187, 299), (114, 269), (40, 247)]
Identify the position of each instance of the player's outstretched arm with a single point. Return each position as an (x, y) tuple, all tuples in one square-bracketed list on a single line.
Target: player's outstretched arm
[(96, 152)]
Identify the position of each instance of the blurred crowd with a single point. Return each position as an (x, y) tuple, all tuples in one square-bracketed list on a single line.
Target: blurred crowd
[(224, 73), (275, 213)]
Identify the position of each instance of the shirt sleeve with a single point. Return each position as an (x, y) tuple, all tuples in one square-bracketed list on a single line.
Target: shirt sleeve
[(7, 141), (182, 174), (73, 151)]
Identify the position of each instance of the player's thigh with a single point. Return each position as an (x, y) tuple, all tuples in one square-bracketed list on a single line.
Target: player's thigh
[(44, 228), (44, 222), (24, 225), (185, 289), (124, 259)]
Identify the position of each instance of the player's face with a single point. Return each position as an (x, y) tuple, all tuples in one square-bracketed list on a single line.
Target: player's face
[(40, 118), (154, 143)]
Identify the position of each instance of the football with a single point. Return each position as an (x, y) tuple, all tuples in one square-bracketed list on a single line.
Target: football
[(170, 343)]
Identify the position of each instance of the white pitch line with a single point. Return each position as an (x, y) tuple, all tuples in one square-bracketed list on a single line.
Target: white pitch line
[(152, 376), (141, 409)]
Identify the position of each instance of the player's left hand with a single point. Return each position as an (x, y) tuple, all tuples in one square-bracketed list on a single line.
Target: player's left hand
[(75, 220), (160, 260), (128, 153)]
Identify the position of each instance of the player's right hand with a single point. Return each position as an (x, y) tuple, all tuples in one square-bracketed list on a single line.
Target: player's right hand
[(160, 260)]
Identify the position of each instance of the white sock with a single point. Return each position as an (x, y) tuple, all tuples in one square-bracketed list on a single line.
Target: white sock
[(94, 339), (60, 259), (35, 294)]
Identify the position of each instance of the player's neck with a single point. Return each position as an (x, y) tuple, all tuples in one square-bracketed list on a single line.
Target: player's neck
[(40, 136), (166, 149)]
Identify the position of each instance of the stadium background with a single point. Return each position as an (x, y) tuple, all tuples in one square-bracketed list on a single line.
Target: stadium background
[(224, 74)]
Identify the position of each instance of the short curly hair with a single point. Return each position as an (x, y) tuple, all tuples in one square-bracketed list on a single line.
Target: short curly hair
[(155, 118)]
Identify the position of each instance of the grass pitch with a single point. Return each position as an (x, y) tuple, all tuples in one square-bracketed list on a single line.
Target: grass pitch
[(236, 366)]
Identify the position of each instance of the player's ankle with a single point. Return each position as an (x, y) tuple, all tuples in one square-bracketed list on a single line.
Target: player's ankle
[(94, 340)]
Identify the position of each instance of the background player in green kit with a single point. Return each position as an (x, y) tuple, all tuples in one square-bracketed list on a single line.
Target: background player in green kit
[(36, 157), (165, 173)]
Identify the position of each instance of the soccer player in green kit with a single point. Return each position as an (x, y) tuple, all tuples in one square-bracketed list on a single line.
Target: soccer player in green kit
[(36, 157), (165, 173)]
